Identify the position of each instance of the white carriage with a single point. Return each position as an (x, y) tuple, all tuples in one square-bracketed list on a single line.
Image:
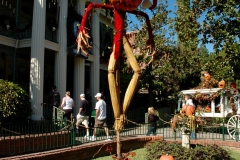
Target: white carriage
[(218, 103)]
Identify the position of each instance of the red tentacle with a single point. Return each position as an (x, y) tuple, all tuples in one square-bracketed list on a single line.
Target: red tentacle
[(153, 5), (119, 16), (89, 9), (150, 35)]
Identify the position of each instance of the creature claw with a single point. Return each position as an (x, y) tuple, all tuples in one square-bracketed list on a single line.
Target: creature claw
[(83, 42), (85, 52), (153, 57)]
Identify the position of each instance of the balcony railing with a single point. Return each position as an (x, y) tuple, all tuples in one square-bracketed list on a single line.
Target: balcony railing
[(24, 31)]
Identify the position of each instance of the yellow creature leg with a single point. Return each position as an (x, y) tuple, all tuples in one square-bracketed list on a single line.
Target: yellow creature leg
[(136, 76), (113, 79)]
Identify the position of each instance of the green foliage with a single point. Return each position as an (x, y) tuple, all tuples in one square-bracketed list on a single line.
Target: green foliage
[(138, 99), (219, 67), (221, 24), (14, 101), (199, 152), (186, 25), (221, 28), (178, 65)]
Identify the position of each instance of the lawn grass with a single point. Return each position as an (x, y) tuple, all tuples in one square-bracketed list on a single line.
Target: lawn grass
[(141, 154), (234, 152)]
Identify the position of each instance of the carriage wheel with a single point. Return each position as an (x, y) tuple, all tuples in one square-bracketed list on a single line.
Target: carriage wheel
[(233, 126)]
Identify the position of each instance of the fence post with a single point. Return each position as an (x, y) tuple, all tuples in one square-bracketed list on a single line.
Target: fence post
[(163, 127), (223, 131), (175, 135), (73, 132), (237, 131)]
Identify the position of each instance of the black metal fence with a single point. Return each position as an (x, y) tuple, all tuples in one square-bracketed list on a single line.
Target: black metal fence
[(23, 138)]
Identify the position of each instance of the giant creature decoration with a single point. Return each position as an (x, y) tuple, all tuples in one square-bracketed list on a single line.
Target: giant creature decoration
[(119, 7)]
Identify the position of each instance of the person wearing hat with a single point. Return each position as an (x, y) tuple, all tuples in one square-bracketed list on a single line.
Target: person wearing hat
[(83, 114), (67, 106), (101, 116)]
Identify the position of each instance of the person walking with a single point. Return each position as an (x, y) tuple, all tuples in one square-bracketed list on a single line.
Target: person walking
[(88, 97), (54, 101), (54, 97), (83, 114), (67, 106), (152, 121), (101, 117)]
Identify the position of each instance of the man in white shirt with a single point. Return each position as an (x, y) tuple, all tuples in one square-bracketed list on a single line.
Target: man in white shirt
[(67, 106), (188, 100), (101, 116)]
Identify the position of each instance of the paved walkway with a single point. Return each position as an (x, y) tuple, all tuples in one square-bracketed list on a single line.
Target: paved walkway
[(166, 132)]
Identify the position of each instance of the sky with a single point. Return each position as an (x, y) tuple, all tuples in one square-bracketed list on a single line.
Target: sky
[(172, 6)]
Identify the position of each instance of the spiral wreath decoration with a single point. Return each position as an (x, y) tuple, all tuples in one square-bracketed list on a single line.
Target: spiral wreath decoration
[(73, 21)]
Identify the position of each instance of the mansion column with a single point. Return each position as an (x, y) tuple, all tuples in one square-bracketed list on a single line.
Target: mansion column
[(79, 67), (37, 58), (79, 79), (60, 77), (95, 67)]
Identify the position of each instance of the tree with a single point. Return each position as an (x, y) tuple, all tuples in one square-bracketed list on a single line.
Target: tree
[(186, 25), (221, 28), (158, 22), (178, 64), (14, 102), (174, 66)]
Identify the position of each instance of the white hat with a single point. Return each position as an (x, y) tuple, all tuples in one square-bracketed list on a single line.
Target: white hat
[(82, 95), (98, 95)]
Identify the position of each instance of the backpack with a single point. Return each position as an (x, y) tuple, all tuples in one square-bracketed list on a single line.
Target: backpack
[(55, 98)]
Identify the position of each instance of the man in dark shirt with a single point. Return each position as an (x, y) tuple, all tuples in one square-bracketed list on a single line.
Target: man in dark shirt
[(54, 101), (54, 97), (83, 114), (88, 97)]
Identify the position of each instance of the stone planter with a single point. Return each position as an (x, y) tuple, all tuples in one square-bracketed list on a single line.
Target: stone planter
[(186, 140)]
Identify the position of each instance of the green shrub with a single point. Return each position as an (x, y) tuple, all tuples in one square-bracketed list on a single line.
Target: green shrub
[(198, 152), (14, 102)]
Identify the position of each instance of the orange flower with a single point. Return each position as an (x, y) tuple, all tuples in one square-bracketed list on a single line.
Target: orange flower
[(109, 149), (132, 154)]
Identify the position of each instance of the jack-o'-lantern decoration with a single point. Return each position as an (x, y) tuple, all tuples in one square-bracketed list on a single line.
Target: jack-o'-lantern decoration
[(218, 109), (221, 84), (188, 110), (207, 76), (120, 43), (166, 157), (120, 8), (208, 108), (199, 108), (233, 85)]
